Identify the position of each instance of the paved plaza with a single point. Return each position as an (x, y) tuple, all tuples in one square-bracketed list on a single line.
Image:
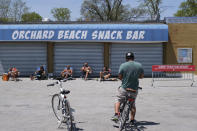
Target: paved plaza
[(26, 105)]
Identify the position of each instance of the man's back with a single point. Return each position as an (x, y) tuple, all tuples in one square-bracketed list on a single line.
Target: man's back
[(130, 72)]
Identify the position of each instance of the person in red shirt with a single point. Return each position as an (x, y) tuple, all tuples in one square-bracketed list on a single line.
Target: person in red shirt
[(13, 73)]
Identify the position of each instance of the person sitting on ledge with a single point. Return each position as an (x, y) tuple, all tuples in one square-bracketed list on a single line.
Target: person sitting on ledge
[(13, 73), (105, 73), (40, 73), (86, 70), (67, 72)]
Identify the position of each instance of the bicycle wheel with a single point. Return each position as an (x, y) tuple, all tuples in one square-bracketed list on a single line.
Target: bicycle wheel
[(57, 106), (124, 116), (69, 116)]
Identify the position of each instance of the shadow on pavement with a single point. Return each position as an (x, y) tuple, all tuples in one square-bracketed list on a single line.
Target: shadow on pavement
[(140, 125), (144, 123), (77, 128)]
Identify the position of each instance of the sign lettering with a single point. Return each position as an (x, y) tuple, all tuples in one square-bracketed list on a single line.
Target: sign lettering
[(81, 33), (173, 68)]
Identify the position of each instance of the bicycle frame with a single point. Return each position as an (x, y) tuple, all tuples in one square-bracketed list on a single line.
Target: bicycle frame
[(63, 104), (62, 96), (126, 101), (125, 109)]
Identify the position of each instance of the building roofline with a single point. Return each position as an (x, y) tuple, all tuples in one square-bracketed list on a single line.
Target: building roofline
[(86, 22)]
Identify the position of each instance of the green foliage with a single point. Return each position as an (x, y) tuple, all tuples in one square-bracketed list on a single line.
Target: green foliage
[(187, 9), (4, 19), (61, 14), (31, 17)]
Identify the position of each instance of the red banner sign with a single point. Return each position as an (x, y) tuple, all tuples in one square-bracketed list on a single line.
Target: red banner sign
[(173, 68)]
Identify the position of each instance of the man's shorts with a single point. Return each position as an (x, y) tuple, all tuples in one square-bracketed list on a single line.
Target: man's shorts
[(122, 93)]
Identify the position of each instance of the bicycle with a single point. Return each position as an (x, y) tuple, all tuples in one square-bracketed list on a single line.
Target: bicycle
[(61, 106), (125, 108)]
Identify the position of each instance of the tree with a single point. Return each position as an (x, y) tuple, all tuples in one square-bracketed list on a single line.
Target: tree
[(31, 17), (187, 9), (4, 10), (109, 10), (153, 8), (4, 19), (12, 10), (18, 9), (137, 14), (61, 14), (103, 10)]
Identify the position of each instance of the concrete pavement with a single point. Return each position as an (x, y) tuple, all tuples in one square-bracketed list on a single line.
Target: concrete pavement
[(26, 105)]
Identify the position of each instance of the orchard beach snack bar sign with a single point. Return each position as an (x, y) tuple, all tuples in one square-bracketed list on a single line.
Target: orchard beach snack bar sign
[(85, 32)]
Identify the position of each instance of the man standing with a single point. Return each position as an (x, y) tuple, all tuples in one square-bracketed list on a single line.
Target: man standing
[(129, 73)]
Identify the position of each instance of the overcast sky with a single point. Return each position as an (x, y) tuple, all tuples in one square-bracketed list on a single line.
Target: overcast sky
[(43, 7)]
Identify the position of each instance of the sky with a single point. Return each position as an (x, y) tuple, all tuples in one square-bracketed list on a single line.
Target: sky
[(43, 7)]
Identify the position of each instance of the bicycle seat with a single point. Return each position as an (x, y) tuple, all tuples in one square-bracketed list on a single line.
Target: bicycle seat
[(65, 92)]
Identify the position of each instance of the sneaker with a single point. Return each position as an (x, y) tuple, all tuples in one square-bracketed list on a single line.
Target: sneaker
[(115, 118), (133, 122)]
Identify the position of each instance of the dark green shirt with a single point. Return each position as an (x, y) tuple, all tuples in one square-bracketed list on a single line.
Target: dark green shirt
[(130, 72)]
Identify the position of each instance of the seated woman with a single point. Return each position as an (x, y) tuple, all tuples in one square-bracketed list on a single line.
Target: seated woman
[(86, 70), (67, 72), (40, 73), (13, 73), (105, 73)]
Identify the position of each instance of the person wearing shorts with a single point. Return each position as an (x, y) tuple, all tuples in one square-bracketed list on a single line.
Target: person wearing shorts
[(105, 73), (129, 74), (123, 92), (67, 72), (86, 70)]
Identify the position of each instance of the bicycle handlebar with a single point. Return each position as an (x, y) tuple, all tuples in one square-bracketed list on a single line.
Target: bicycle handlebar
[(50, 84), (64, 80), (57, 82)]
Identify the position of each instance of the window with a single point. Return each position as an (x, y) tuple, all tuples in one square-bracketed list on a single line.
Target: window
[(184, 55)]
